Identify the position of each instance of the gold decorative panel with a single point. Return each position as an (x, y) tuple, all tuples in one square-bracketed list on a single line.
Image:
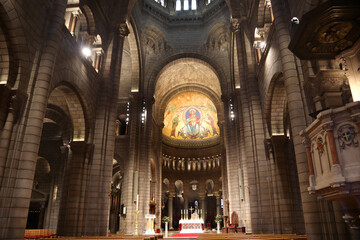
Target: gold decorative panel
[(190, 116)]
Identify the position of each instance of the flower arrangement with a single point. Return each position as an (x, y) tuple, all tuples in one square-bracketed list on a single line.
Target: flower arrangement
[(165, 219), (218, 218)]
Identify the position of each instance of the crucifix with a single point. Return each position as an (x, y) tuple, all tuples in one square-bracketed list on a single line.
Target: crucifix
[(191, 208)]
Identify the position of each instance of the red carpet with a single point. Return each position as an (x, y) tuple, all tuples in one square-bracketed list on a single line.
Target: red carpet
[(186, 235)]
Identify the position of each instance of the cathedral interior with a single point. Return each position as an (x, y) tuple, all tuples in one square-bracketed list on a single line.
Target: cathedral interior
[(111, 110)]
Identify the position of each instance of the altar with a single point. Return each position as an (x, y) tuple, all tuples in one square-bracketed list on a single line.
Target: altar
[(191, 225)]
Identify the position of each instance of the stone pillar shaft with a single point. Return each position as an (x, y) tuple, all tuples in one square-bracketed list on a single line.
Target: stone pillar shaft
[(72, 209), (170, 212), (19, 188), (312, 215), (100, 170)]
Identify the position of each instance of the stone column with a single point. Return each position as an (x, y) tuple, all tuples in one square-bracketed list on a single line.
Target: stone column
[(100, 169), (71, 217), (144, 167), (186, 207), (282, 185), (203, 207), (311, 210), (127, 222), (170, 211), (232, 153), (252, 156), (218, 204), (15, 196)]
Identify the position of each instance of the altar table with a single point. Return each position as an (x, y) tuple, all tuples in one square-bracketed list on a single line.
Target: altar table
[(191, 225)]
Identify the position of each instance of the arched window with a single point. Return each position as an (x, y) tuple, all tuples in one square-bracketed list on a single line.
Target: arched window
[(193, 5), (178, 5), (186, 4)]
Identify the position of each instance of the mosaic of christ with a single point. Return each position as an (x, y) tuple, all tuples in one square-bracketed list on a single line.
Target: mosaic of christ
[(190, 116)]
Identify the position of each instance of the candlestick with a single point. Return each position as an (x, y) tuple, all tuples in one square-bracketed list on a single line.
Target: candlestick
[(136, 221), (137, 202)]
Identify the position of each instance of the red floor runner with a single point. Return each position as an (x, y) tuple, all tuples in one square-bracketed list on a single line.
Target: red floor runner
[(186, 235)]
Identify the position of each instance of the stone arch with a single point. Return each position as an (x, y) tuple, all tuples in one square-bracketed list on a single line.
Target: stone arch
[(67, 98), (209, 187), (200, 78), (218, 37), (56, 115), (153, 40), (264, 15), (194, 194), (12, 34), (151, 83), (90, 21), (179, 188), (166, 185), (275, 99)]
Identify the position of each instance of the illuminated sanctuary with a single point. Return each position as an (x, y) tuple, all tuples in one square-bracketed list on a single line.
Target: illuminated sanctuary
[(145, 117)]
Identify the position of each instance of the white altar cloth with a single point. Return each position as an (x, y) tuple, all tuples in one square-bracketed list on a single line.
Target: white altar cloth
[(191, 225)]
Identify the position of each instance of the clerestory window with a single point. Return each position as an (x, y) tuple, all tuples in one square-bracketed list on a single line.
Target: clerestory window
[(178, 5)]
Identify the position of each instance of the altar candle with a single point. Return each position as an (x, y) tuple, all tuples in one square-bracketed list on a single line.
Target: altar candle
[(137, 202)]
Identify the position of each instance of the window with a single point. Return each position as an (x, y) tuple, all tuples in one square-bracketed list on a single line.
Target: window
[(178, 5), (186, 4), (193, 5), (162, 2)]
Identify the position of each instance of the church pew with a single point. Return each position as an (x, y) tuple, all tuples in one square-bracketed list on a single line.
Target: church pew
[(39, 233), (123, 237), (232, 236)]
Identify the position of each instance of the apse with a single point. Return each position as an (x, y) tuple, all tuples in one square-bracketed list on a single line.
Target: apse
[(190, 119)]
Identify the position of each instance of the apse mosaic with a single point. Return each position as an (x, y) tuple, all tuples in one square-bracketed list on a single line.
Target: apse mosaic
[(190, 116)]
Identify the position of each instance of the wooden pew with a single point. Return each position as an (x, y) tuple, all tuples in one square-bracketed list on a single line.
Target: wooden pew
[(39, 233), (122, 236), (234, 236)]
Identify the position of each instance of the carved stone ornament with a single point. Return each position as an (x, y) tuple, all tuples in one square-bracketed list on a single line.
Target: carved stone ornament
[(320, 145), (347, 136), (235, 25), (123, 30)]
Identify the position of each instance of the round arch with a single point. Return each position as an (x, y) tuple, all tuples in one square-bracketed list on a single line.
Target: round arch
[(275, 99), (182, 57), (13, 35), (67, 98)]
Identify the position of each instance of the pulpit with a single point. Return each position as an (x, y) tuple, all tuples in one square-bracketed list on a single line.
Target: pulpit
[(150, 224), (333, 154)]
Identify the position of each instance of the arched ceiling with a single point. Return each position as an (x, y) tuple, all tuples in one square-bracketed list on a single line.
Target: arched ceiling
[(186, 71), (188, 88)]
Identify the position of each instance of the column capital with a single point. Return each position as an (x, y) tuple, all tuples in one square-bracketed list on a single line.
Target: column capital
[(82, 147), (328, 126), (235, 25), (123, 30)]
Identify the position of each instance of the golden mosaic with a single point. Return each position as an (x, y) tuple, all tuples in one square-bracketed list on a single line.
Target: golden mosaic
[(190, 116)]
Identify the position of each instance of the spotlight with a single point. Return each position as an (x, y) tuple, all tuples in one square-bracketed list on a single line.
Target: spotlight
[(295, 20), (86, 51)]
